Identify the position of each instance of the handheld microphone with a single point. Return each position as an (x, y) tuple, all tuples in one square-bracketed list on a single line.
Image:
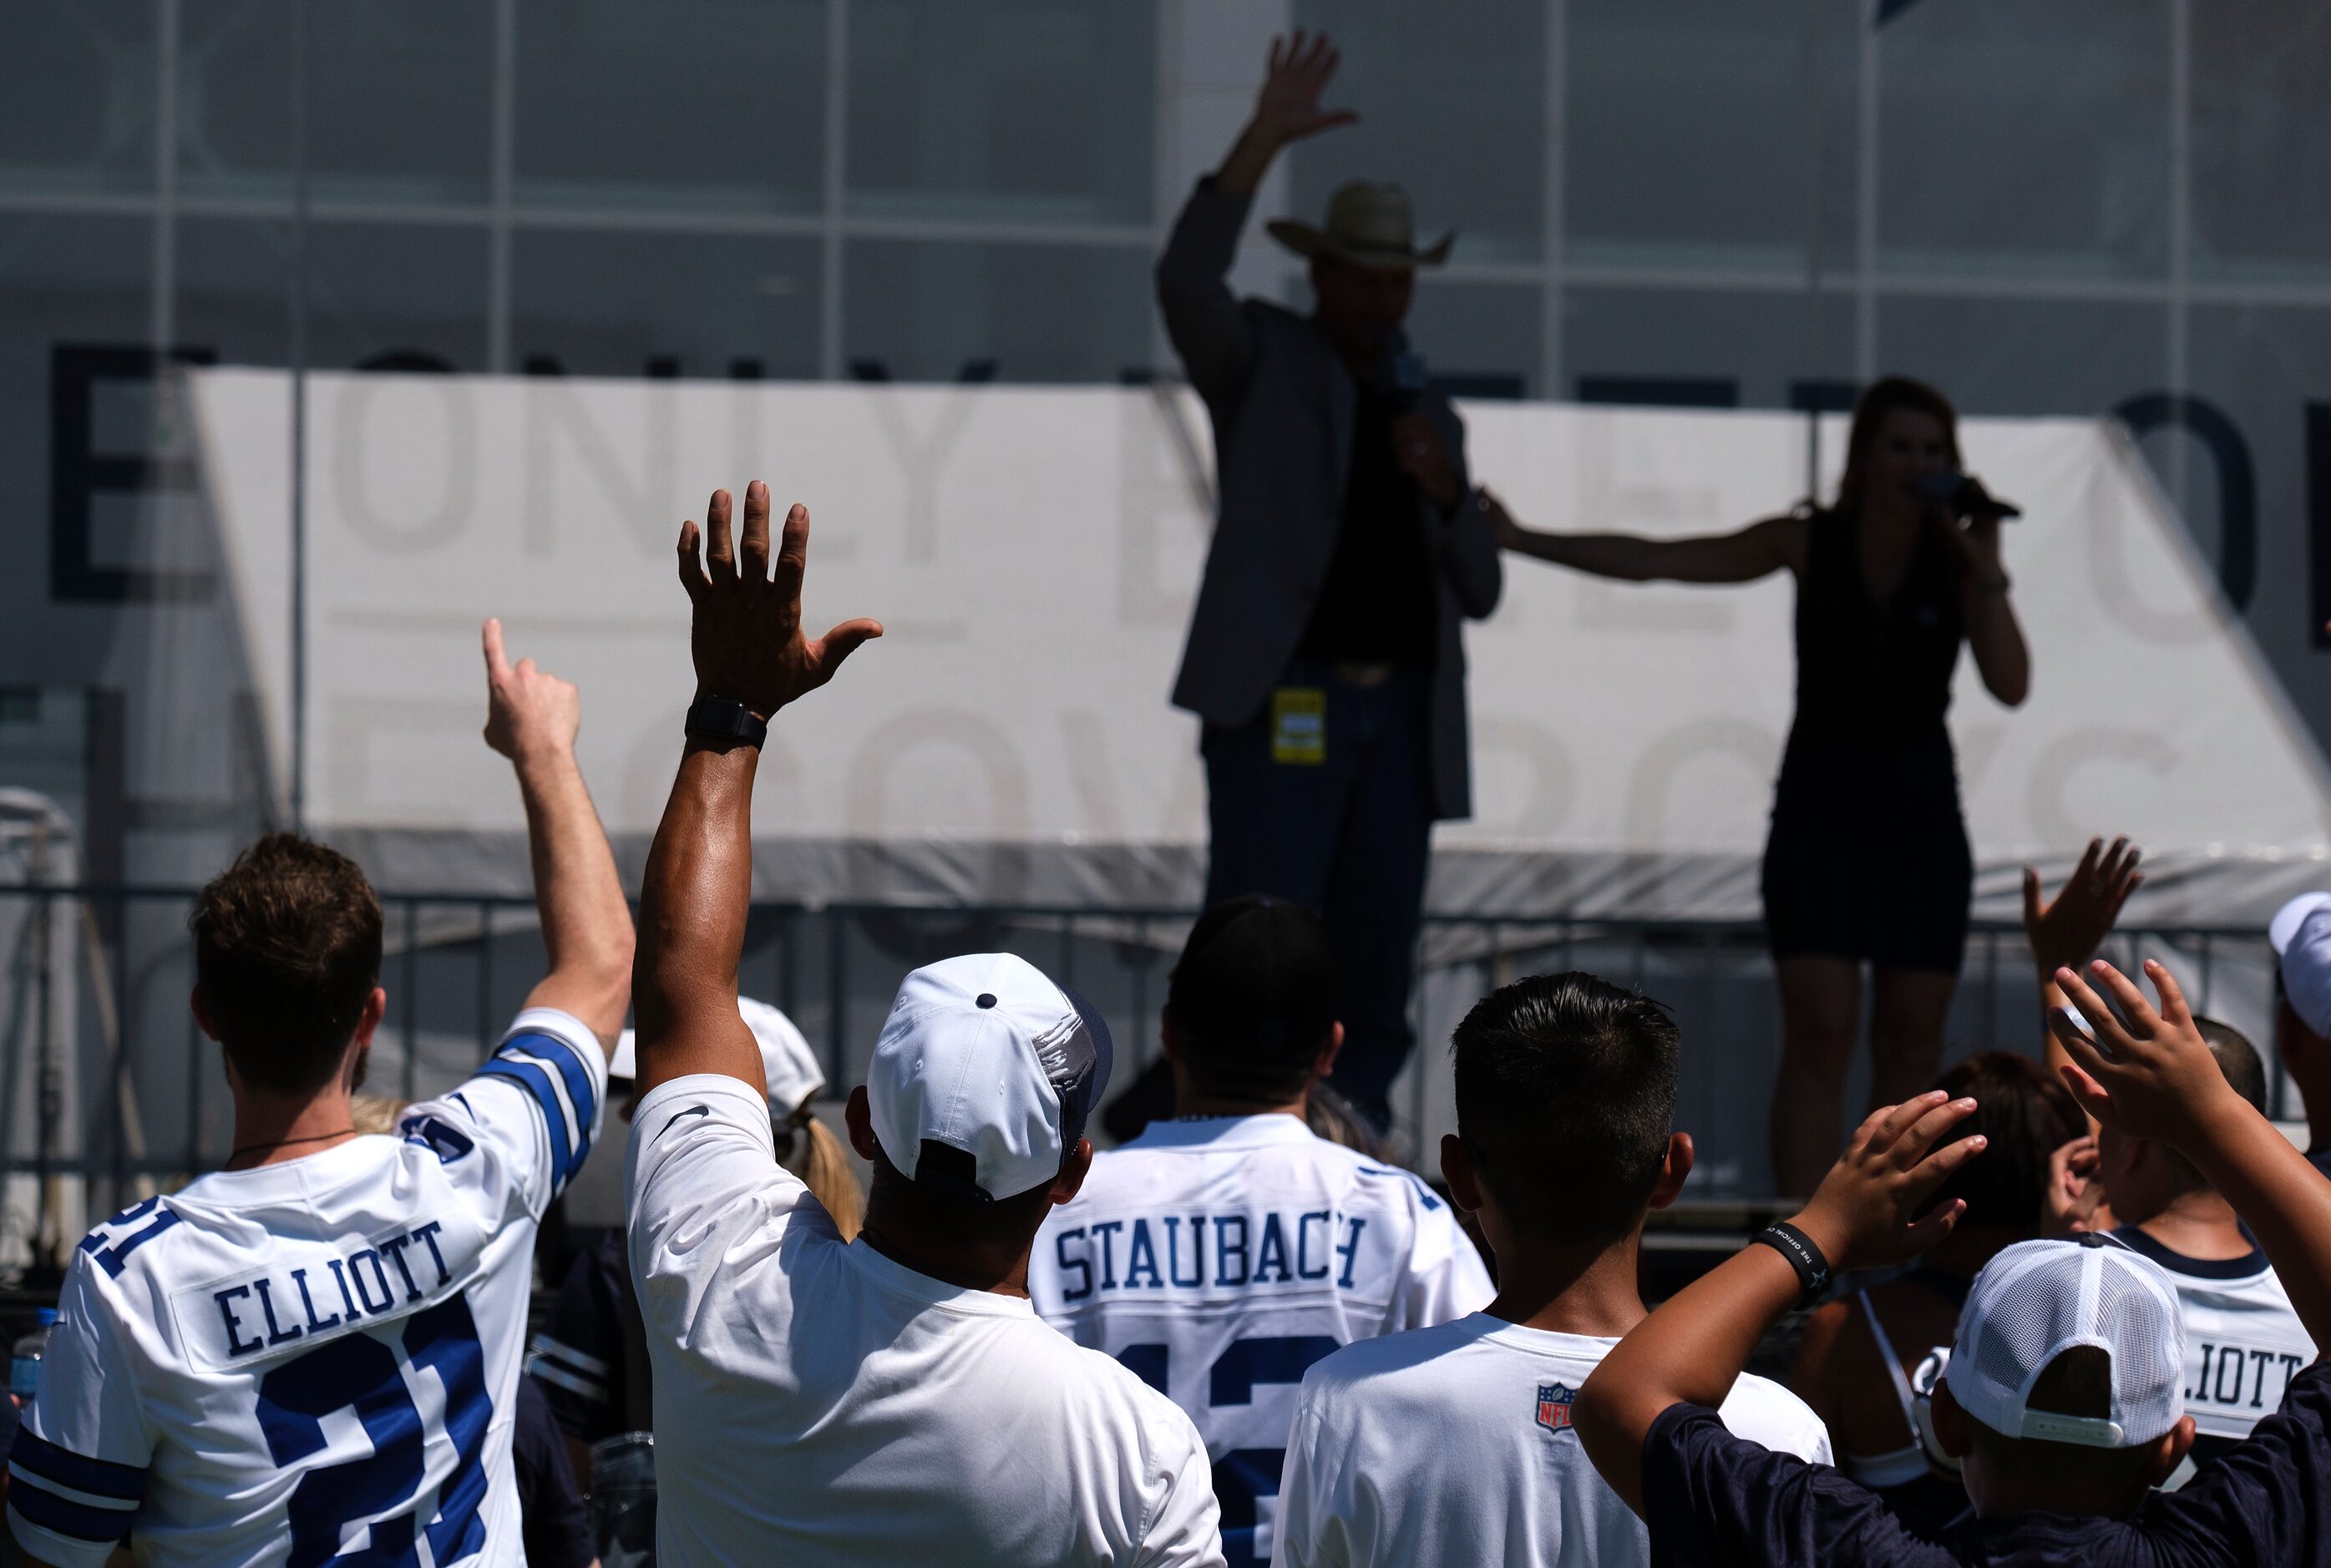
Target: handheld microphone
[(1401, 372), (1962, 496)]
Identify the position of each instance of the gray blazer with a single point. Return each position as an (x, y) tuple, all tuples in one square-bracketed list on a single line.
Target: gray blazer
[(1282, 405)]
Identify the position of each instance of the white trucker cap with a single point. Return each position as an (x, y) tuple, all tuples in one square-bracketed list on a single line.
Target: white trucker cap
[(788, 1065), (983, 1076), (2037, 1299), (2301, 935)]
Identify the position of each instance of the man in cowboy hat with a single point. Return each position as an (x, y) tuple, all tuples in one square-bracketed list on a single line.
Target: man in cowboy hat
[(1324, 655)]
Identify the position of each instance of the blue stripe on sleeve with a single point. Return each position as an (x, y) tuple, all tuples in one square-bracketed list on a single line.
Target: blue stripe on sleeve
[(77, 1520), (101, 1478), (580, 1093), (536, 1082)]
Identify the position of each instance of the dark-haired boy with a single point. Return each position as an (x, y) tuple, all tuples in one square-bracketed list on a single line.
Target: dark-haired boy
[(2065, 1391), (1221, 1252), (1454, 1444), (2243, 1343), (313, 1354)]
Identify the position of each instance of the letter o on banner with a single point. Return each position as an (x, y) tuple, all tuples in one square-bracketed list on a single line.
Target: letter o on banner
[(360, 443)]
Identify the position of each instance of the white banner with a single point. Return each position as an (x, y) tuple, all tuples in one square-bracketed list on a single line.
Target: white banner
[(1034, 553)]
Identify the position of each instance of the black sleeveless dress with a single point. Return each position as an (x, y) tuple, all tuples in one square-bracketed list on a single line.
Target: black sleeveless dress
[(1867, 858)]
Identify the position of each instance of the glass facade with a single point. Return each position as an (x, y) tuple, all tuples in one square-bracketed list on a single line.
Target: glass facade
[(2089, 206)]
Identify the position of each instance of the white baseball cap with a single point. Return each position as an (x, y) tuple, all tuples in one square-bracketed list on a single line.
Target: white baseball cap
[(788, 1065), (983, 1076), (2301, 935), (2037, 1300)]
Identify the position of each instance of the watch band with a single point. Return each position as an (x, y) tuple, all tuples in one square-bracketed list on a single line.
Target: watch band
[(725, 720), (1812, 1267)]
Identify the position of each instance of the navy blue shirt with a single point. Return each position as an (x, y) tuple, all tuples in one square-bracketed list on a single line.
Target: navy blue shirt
[(1711, 1498)]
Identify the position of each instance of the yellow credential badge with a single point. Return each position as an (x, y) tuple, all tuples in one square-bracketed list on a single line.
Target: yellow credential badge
[(1299, 726)]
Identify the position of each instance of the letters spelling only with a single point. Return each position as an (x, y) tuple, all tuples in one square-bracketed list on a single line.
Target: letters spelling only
[(1282, 1249), (358, 1279)]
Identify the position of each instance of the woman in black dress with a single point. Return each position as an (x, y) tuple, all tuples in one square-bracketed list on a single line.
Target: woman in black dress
[(1868, 860)]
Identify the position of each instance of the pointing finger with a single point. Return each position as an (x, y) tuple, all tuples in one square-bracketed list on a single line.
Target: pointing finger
[(497, 663), (2030, 896)]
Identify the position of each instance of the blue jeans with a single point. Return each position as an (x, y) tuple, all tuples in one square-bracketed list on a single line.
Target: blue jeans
[(1350, 836)]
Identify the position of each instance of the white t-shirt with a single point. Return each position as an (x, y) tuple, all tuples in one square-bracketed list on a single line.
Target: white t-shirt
[(2243, 1343), (1453, 1445), (817, 1402), (322, 1356), (1220, 1257)]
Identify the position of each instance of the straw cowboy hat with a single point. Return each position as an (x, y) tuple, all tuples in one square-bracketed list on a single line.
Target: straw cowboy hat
[(1368, 226)]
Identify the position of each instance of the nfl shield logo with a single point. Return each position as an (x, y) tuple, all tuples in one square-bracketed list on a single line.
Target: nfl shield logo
[(1554, 1406)]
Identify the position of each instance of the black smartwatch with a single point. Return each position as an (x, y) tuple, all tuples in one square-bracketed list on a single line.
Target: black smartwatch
[(725, 721), (1812, 1267)]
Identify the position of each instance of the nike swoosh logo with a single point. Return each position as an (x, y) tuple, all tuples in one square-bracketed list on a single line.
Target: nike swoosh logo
[(691, 1111)]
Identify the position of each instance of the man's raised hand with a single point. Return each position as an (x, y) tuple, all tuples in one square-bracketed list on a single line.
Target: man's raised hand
[(529, 712), (1861, 1215), (2147, 1071), (746, 635), (1288, 108)]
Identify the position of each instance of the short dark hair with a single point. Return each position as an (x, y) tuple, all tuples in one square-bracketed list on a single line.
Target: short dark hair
[(2027, 1114), (286, 953), (2239, 1060), (1565, 1096), (956, 1211), (1253, 998)]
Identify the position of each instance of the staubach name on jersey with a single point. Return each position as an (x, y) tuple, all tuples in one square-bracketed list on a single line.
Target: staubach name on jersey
[(1193, 1251), (333, 1289)]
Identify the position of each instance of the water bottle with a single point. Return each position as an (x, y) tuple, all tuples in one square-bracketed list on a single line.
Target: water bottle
[(24, 1361)]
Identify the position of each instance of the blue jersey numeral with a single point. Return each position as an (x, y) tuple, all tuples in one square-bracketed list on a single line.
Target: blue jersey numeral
[(360, 1372), (1243, 1475)]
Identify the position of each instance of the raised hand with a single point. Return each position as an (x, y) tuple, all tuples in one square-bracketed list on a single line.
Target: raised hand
[(2148, 1071), (2066, 931), (1861, 1215), (746, 635), (529, 712), (1288, 108)]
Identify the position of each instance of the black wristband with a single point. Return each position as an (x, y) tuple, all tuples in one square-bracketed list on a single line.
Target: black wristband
[(725, 721), (1813, 1268)]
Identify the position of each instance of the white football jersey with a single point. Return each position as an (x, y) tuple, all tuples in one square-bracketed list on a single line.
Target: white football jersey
[(2243, 1343), (318, 1357), (1220, 1257), (1453, 1446)]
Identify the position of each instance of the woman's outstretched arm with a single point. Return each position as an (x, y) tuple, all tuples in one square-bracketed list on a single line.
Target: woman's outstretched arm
[(1755, 551)]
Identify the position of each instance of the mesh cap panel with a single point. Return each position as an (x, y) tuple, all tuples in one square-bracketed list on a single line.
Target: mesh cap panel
[(2037, 1299)]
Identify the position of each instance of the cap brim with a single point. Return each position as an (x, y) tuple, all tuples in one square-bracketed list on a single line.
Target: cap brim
[(1306, 241), (2290, 917), (1096, 1085)]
